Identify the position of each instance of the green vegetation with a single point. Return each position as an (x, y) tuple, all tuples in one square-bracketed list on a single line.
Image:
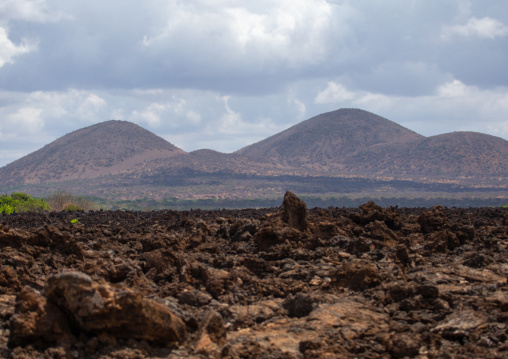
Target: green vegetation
[(65, 201), (71, 207), (74, 221), (22, 202)]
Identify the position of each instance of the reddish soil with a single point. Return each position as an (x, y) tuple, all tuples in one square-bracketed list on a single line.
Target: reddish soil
[(267, 283)]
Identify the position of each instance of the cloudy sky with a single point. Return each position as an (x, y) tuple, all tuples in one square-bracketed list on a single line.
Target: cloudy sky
[(223, 74)]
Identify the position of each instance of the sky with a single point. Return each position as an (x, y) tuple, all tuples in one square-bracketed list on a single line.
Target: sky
[(223, 74)]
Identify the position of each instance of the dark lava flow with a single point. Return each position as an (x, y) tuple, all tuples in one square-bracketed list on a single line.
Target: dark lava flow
[(262, 283)]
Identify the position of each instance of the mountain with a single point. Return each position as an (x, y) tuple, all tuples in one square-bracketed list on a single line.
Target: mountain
[(335, 152), (327, 139), (456, 155), (106, 148), (357, 142)]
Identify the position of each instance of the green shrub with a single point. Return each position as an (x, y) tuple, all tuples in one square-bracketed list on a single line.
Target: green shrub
[(71, 207), (22, 202)]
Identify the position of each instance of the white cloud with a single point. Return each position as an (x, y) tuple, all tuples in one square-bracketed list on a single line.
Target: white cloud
[(8, 50), (28, 10), (334, 92), (452, 89), (167, 65), (151, 115), (453, 106), (485, 27), (27, 119), (193, 117), (288, 31), (300, 106), (232, 124), (90, 108)]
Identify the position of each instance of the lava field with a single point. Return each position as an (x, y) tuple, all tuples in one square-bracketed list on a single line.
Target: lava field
[(286, 282)]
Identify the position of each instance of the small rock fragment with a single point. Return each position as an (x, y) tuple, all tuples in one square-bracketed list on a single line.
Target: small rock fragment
[(299, 305), (358, 275)]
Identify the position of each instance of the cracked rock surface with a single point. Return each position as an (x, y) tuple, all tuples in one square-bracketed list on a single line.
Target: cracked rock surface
[(292, 282)]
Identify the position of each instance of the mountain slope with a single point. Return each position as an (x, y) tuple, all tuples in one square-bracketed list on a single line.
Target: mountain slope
[(103, 149), (450, 155), (327, 139), (347, 142)]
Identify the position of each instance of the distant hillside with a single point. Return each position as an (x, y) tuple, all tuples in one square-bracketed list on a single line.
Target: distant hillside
[(103, 149), (341, 151), (452, 155), (357, 142), (327, 139)]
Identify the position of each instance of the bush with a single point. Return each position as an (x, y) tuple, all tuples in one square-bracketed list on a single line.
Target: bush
[(62, 200), (22, 202), (71, 207)]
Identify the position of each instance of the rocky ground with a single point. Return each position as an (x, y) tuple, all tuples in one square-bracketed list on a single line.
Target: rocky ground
[(268, 283)]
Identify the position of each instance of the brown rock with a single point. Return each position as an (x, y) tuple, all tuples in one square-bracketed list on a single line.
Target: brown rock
[(441, 241), (402, 253), (433, 219), (299, 305), (294, 212), (404, 345), (36, 319), (461, 324), (267, 237), (98, 307), (212, 334), (8, 279), (370, 212), (358, 275), (379, 230)]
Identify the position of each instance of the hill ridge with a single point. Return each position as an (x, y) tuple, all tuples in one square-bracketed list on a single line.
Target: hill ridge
[(107, 147), (345, 142)]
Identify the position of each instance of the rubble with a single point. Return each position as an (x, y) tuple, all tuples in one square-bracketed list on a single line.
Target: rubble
[(273, 283)]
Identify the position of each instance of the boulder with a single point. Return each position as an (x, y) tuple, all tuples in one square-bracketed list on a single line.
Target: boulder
[(99, 307)]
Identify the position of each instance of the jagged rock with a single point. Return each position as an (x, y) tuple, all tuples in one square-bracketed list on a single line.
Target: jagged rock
[(441, 241), (194, 297), (357, 275), (273, 234), (211, 335), (404, 345), (372, 212), (299, 305), (8, 279), (259, 312), (402, 253), (433, 219), (379, 230), (36, 319), (98, 307), (294, 212), (282, 293), (461, 324)]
